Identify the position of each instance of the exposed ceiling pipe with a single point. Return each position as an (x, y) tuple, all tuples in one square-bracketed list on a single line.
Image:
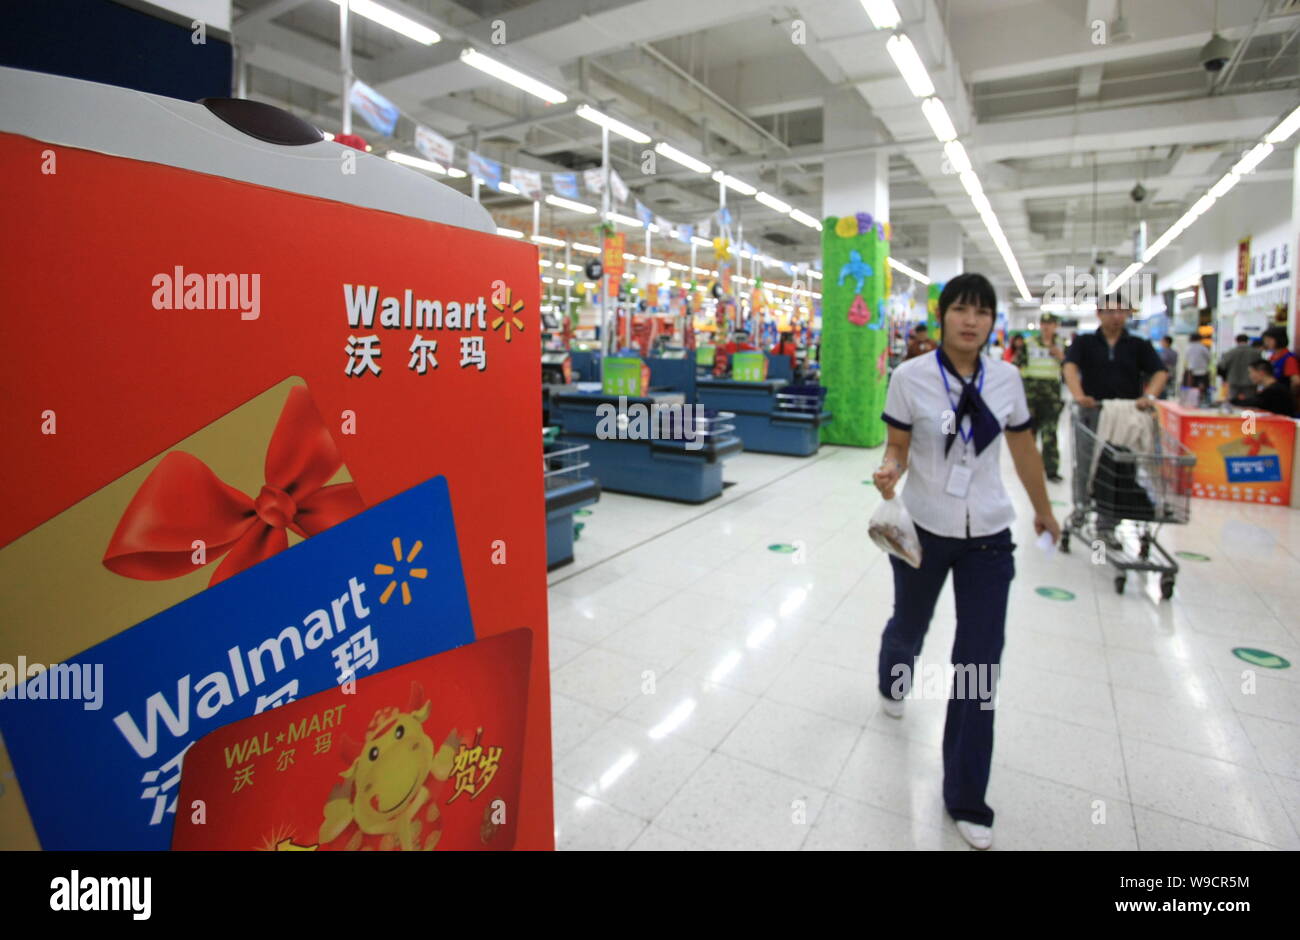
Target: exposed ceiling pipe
[(712, 95)]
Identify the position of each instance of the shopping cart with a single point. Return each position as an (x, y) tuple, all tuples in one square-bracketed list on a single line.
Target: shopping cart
[(1113, 485)]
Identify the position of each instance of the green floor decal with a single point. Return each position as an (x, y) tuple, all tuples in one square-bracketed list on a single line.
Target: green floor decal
[(1054, 593), (1261, 658)]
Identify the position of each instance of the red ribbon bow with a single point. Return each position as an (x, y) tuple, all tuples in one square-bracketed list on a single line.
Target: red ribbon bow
[(1256, 443), (183, 500)]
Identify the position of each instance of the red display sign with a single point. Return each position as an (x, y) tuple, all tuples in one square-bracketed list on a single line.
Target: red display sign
[(158, 301)]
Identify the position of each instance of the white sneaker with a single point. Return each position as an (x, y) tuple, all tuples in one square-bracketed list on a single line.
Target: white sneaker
[(979, 837), (891, 707)]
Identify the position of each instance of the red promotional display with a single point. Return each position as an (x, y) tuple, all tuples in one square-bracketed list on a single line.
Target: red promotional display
[(345, 355)]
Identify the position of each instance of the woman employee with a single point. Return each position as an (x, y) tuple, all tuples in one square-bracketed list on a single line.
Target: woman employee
[(946, 411)]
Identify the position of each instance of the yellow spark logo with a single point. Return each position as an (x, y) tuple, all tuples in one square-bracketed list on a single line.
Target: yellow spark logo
[(420, 573), (504, 307)]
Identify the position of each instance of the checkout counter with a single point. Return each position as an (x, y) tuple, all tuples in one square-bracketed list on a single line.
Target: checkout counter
[(771, 416), (646, 457)]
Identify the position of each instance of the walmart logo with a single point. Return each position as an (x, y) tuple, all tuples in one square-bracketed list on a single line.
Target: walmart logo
[(399, 577)]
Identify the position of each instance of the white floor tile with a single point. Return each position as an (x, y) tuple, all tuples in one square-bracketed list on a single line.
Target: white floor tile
[(729, 804), (793, 742), (588, 825)]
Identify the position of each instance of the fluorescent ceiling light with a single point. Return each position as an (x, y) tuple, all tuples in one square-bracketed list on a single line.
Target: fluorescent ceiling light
[(426, 165), (561, 203), (701, 241), (971, 183), (1123, 277), (618, 127), (393, 20), (508, 188), (455, 173), (624, 219), (909, 63), (731, 182), (327, 135), (1225, 183), (697, 270), (1253, 158), (982, 205), (543, 263), (548, 280), (478, 60), (815, 275), (910, 272), (958, 159), (510, 232), (564, 282), (628, 256), (883, 13), (678, 266), (940, 122), (586, 249), (548, 240), (1283, 131), (658, 263), (1201, 206), (772, 202), (685, 159), (803, 218)]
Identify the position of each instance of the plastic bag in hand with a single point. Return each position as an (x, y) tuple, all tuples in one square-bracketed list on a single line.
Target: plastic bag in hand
[(891, 528)]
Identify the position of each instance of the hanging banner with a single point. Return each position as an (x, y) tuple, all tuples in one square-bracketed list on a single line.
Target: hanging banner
[(617, 187), (706, 227), (614, 248), (666, 228), (489, 171), (594, 180), (376, 110), (433, 146), (566, 185), (643, 213), (1243, 265), (685, 232), (528, 182)]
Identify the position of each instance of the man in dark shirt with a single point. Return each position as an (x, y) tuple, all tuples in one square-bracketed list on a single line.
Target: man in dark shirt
[(1273, 395), (1110, 363)]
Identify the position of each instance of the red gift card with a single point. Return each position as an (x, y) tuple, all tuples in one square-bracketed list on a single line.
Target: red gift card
[(424, 756)]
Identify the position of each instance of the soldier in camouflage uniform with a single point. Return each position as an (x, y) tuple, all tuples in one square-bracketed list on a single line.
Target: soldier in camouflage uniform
[(1040, 368)]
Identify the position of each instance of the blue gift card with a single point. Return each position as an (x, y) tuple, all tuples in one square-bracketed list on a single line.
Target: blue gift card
[(1265, 469), (382, 589)]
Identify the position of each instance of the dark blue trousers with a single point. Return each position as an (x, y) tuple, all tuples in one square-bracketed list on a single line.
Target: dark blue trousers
[(982, 569)]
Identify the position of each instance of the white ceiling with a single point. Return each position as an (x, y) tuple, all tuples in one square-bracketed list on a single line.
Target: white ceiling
[(1059, 128)]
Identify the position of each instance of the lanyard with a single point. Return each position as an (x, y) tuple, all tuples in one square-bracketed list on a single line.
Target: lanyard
[(943, 374)]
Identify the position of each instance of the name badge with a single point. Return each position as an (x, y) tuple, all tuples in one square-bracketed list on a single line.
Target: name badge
[(959, 480)]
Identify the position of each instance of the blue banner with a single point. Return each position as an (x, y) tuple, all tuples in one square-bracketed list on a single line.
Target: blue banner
[(374, 108), (489, 171), (565, 184)]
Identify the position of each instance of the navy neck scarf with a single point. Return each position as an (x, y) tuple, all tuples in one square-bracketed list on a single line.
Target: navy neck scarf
[(984, 427)]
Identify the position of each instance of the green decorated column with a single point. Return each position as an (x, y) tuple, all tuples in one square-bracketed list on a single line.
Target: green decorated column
[(855, 333)]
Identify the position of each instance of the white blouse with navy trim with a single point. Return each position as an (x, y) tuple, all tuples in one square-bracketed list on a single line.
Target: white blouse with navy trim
[(918, 402)]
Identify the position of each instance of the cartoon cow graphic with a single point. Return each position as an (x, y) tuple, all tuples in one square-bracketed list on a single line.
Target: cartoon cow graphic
[(387, 780)]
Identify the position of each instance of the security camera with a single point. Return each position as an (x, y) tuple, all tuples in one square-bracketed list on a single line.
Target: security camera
[(1216, 53), (1138, 193)]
